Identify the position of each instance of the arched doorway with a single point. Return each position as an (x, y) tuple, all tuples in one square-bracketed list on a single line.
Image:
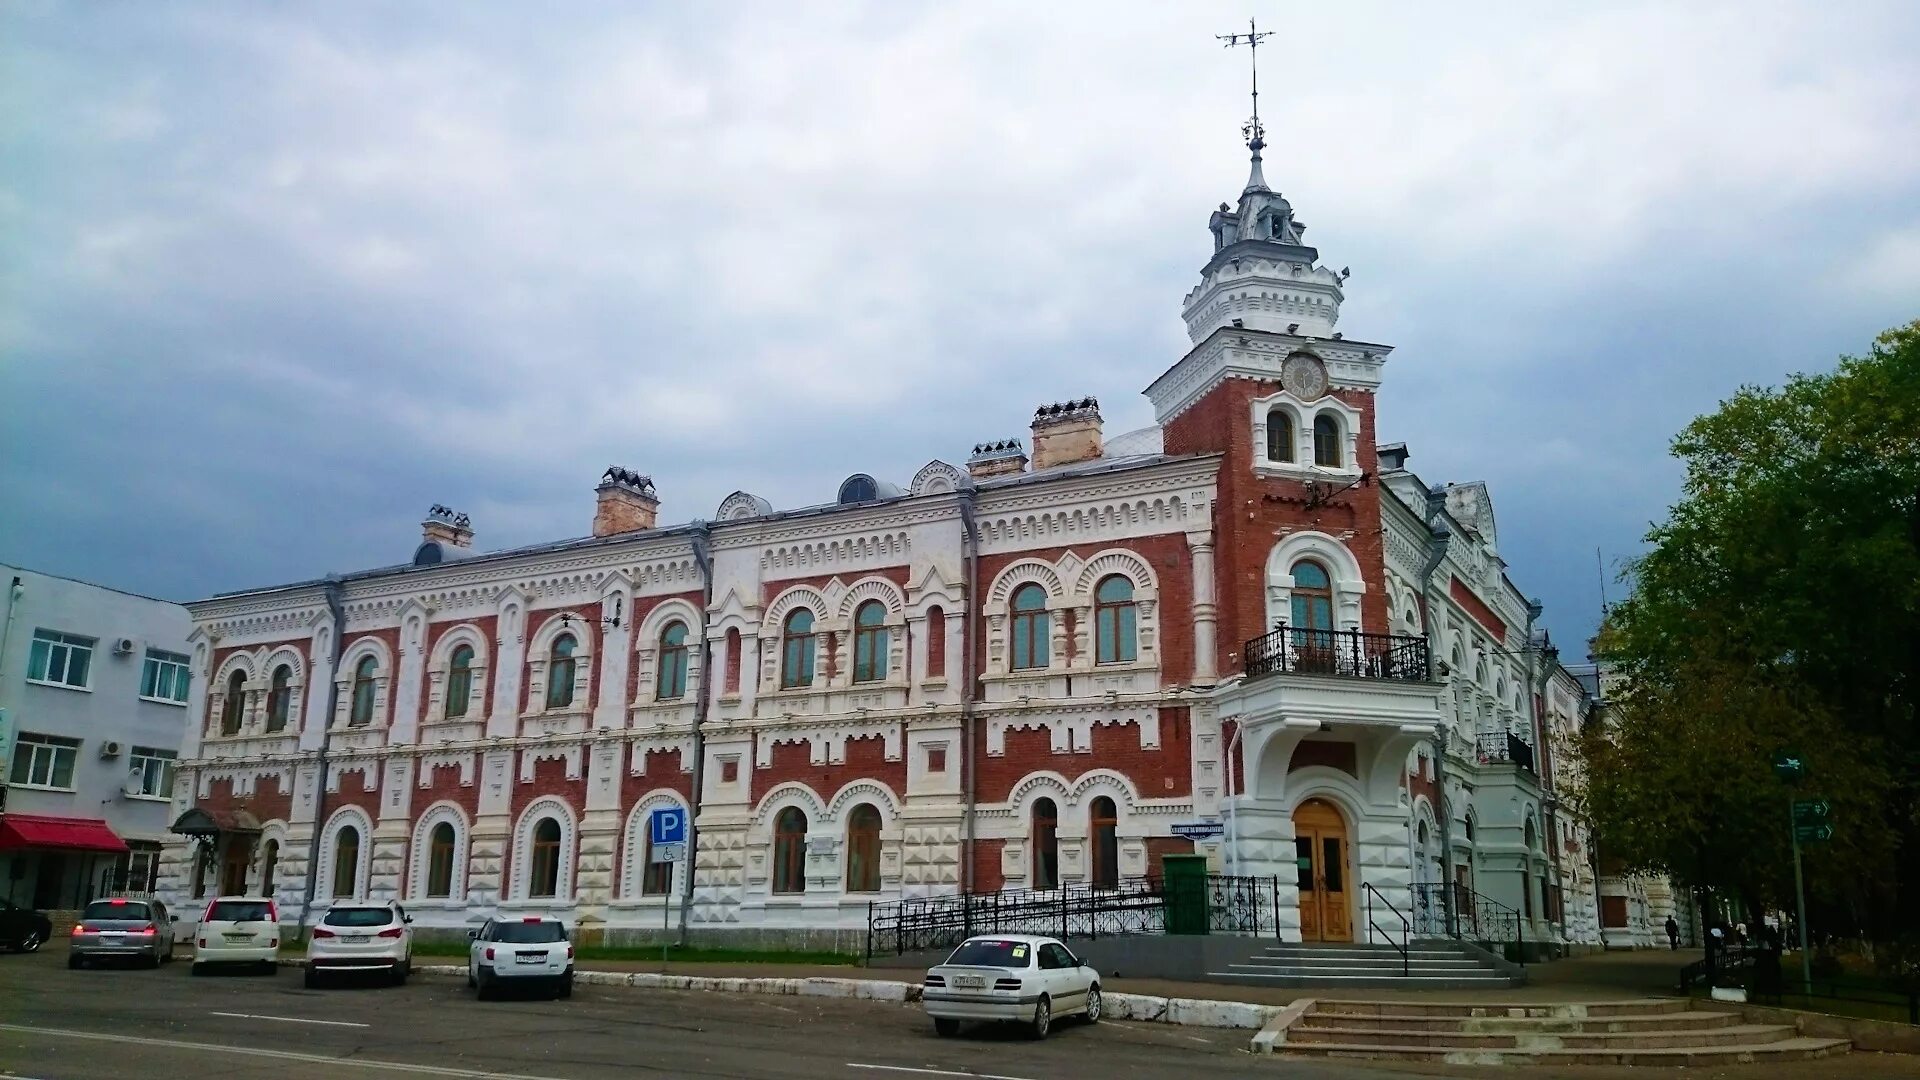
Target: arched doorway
[(1320, 850)]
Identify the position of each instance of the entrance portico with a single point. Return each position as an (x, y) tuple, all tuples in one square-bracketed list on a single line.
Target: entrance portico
[(1320, 801)]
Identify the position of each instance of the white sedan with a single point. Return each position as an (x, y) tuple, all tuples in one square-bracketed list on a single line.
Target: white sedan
[(1010, 977)]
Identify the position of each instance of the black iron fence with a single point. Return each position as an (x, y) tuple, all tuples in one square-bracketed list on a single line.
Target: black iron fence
[(1292, 650), (1231, 905), (1456, 911), (1759, 971), (1496, 747)]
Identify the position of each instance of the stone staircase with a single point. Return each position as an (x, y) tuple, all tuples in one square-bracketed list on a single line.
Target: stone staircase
[(1430, 965), (1653, 1032)]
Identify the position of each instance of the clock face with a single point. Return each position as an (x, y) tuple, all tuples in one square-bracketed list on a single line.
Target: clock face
[(1305, 376)]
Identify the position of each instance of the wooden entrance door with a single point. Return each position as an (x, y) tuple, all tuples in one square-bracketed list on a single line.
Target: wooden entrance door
[(1320, 848), (233, 868)]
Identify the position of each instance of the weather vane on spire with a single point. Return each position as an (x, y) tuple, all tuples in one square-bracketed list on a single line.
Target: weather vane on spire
[(1251, 39)]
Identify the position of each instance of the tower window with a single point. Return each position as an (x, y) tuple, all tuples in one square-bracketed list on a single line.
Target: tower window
[(1326, 441), (1280, 444)]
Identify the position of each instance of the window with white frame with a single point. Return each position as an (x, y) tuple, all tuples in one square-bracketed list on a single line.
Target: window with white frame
[(60, 659), (44, 761), (164, 677), (143, 866), (154, 769)]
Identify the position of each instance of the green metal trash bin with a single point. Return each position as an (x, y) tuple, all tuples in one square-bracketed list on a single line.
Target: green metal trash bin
[(1186, 892)]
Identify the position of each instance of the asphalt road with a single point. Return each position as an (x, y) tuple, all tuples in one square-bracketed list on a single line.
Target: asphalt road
[(57, 1024)]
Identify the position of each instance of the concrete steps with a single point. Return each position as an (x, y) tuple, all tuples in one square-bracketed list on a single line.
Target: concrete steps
[(1665, 1032), (1428, 965)]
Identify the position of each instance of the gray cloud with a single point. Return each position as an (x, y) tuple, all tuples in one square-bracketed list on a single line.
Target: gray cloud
[(272, 282)]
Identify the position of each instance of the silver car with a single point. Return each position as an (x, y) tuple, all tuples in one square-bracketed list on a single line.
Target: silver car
[(1020, 978), (122, 928)]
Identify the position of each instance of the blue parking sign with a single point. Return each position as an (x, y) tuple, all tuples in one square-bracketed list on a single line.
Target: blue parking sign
[(668, 826)]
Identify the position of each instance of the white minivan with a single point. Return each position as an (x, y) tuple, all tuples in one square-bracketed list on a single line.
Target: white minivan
[(238, 930)]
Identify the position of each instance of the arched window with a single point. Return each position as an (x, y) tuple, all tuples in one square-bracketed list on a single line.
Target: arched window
[(790, 851), (1104, 825), (1312, 597), (936, 643), (346, 863), (459, 681), (269, 860), (279, 698), (863, 849), (1113, 620), (543, 862), (870, 642), (1046, 844), (1030, 629), (440, 860), (733, 660), (1280, 441), (560, 671), (363, 673), (1326, 441), (796, 652), (672, 681), (234, 708), (1532, 837)]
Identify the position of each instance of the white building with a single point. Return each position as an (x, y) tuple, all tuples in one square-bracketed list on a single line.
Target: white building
[(94, 685)]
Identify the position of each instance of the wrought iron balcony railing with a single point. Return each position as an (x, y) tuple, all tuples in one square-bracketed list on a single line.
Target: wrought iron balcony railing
[(1502, 747), (1294, 651)]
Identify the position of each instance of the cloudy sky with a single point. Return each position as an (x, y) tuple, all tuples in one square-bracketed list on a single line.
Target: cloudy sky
[(274, 278)]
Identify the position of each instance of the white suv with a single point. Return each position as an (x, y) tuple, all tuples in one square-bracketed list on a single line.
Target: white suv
[(361, 935), (532, 950), (237, 930)]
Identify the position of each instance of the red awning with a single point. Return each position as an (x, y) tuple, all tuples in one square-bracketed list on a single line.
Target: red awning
[(74, 834)]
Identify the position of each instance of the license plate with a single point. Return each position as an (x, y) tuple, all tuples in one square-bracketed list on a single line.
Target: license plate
[(238, 937), (530, 958), (357, 939), (112, 935), (969, 982)]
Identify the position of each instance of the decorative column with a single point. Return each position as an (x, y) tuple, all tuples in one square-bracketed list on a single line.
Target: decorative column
[(1205, 612)]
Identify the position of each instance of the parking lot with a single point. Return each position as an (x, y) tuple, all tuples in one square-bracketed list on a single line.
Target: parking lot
[(94, 1024)]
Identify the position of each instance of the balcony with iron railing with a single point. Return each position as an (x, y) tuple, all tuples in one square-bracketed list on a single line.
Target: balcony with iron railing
[(1344, 653), (1505, 748)]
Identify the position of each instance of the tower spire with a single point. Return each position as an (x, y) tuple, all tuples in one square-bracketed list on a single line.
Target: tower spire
[(1254, 133)]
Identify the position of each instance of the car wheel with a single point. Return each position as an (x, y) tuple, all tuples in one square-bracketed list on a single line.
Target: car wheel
[(153, 961), (312, 979), (399, 976), (483, 989), (74, 963), (565, 989), (1093, 1004), (946, 1027), (268, 967), (30, 943), (470, 980), (1042, 1017), (198, 969)]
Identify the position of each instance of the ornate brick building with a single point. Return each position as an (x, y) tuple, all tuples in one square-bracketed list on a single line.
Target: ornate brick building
[(1013, 673)]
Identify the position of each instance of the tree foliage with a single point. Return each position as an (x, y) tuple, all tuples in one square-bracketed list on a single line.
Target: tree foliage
[(1778, 607)]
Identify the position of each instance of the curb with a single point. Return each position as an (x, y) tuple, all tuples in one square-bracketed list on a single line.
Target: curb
[(1146, 1008)]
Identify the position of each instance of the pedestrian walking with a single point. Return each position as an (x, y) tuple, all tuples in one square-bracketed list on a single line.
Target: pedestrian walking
[(1673, 934)]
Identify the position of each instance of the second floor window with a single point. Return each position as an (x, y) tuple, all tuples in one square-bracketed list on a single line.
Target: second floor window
[(870, 642), (363, 680), (1312, 597), (459, 681), (234, 708), (154, 768), (672, 681), (796, 651), (61, 659), (1279, 436), (163, 677), (279, 698), (44, 761), (560, 672), (1113, 618), (1030, 628)]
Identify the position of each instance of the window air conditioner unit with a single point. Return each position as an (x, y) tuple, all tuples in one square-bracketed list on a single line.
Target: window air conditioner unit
[(123, 646), (109, 749)]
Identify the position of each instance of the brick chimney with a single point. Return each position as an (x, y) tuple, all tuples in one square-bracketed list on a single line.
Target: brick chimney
[(627, 503), (1002, 457), (1065, 433), (447, 528)]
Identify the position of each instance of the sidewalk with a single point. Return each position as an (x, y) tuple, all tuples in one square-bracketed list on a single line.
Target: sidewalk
[(1617, 976)]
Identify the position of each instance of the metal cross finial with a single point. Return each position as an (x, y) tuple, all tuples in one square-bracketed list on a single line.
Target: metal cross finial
[(1251, 39)]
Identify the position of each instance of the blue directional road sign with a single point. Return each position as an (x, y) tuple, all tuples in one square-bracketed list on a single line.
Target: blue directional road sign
[(668, 826)]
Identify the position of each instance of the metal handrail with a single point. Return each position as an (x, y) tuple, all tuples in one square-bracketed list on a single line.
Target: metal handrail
[(1469, 915), (1406, 928)]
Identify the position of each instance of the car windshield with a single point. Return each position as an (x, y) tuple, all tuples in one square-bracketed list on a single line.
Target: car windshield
[(108, 910), (993, 952), (529, 933), (239, 911), (358, 916)]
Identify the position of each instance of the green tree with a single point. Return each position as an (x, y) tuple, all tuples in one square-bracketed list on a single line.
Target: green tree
[(1778, 606)]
